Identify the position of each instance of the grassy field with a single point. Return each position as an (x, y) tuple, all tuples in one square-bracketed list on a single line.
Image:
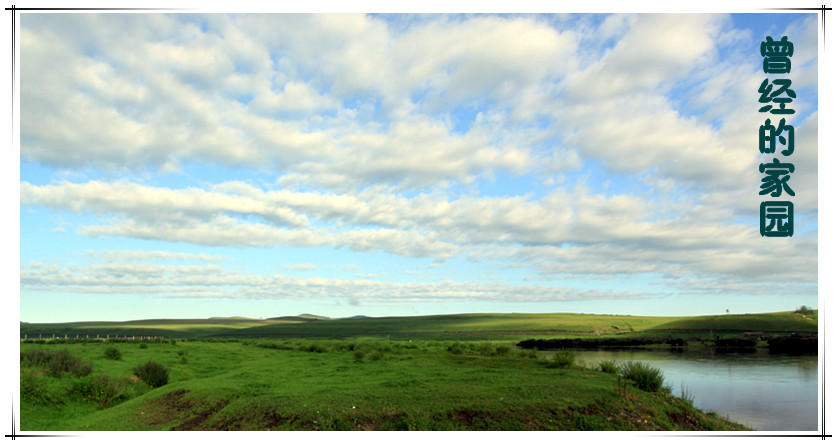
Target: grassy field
[(336, 385), (446, 372), (438, 327)]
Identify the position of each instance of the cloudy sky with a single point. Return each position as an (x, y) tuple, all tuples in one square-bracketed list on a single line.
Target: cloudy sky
[(198, 165)]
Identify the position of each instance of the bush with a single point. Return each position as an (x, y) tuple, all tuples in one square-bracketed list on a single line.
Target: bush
[(527, 353), (804, 310), (609, 366), (563, 359), (57, 363), (644, 376), (486, 349), (358, 355), (143, 346), (313, 347), (103, 390), (152, 373), (456, 348), (34, 390), (113, 353)]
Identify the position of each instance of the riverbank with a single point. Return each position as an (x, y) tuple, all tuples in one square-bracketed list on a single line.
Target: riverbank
[(784, 344), (762, 390), (341, 385)]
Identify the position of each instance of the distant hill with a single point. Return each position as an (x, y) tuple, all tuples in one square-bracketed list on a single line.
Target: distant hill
[(300, 318), (432, 327), (314, 317), (232, 318)]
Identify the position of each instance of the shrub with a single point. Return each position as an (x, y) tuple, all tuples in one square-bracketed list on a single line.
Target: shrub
[(113, 353), (456, 348), (34, 390), (358, 355), (486, 348), (644, 376), (286, 346), (527, 353), (502, 351), (143, 346), (804, 310), (152, 373), (609, 366), (57, 363), (313, 347), (563, 359), (103, 390)]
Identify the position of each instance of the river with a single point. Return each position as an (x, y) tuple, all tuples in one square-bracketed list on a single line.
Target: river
[(762, 391)]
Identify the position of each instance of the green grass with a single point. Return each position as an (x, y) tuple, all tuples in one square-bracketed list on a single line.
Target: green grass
[(472, 327), (769, 322), (643, 375), (340, 385)]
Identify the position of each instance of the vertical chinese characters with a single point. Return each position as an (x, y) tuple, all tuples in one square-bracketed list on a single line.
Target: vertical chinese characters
[(776, 97)]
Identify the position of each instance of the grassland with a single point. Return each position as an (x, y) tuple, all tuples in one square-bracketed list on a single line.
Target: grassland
[(339, 385), (438, 327), (447, 372)]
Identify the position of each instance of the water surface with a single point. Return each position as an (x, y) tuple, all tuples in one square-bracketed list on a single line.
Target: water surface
[(762, 391)]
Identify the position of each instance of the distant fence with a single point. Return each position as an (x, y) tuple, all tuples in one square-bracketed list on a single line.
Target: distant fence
[(53, 337)]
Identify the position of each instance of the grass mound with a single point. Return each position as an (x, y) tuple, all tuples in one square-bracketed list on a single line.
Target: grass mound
[(644, 376)]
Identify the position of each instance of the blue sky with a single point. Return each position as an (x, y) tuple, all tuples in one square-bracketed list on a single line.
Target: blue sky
[(198, 165)]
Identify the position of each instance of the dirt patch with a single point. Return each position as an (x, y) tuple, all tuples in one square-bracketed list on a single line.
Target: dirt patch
[(176, 408), (277, 421), (264, 421), (162, 410), (368, 426), (684, 420), (196, 422)]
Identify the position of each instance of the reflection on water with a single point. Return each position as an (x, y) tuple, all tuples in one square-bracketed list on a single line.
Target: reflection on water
[(766, 392)]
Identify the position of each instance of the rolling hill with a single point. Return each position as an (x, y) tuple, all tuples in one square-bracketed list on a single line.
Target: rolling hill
[(458, 326)]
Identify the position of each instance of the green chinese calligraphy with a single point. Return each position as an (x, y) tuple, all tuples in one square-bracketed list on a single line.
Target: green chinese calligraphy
[(776, 219), (776, 55), (768, 95), (777, 177)]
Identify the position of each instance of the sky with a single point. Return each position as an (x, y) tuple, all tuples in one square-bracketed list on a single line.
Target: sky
[(190, 165)]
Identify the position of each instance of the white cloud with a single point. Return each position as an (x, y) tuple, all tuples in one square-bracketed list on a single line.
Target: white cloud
[(112, 256), (215, 282), (566, 232), (191, 95), (379, 135), (302, 267)]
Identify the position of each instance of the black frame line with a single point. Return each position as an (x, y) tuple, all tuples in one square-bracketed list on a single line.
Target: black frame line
[(93, 9), (14, 435), (14, 10), (822, 9), (743, 435)]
